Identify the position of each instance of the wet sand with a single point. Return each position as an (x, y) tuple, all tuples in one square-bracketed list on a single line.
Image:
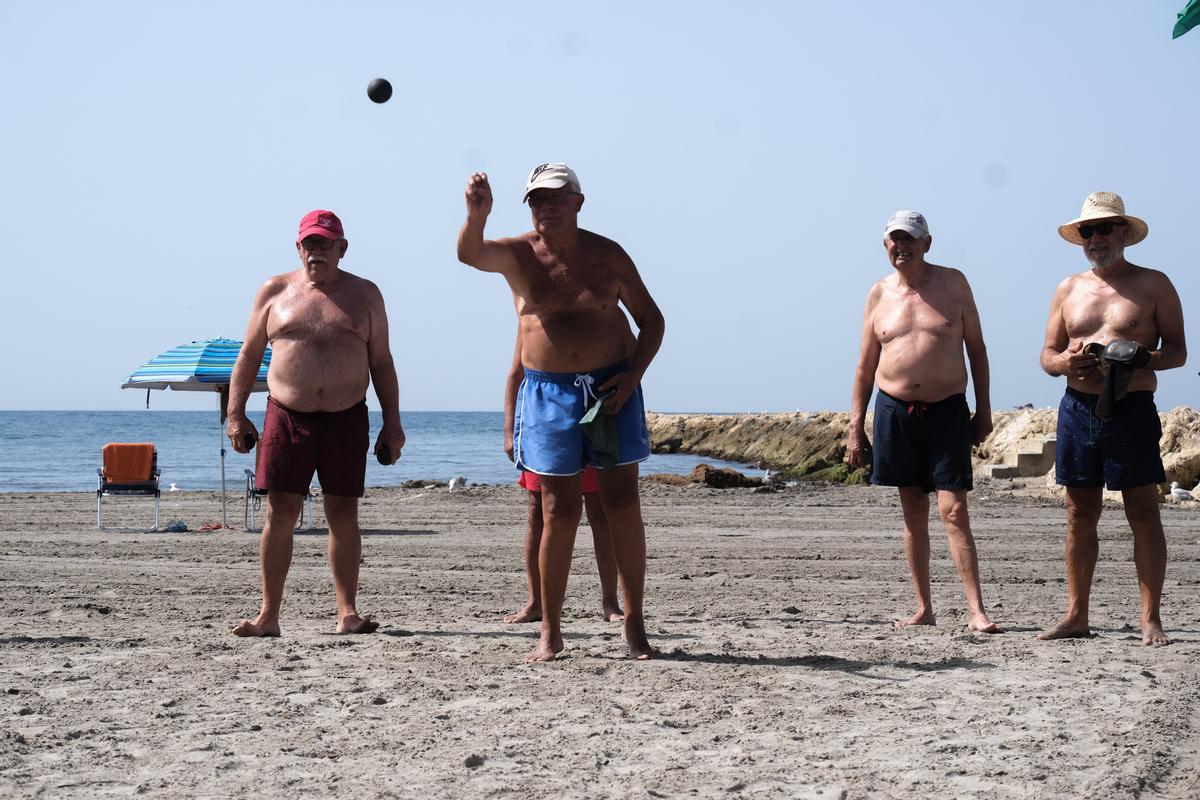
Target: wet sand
[(781, 674)]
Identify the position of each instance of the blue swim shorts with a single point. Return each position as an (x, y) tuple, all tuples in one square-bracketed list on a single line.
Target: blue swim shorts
[(547, 438), (922, 444), (1120, 454)]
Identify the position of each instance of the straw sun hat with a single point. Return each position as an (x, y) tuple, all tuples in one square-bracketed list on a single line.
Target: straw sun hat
[(1104, 205)]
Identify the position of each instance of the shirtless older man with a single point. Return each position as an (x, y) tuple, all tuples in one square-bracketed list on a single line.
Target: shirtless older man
[(917, 321), (329, 335), (566, 283), (1111, 441), (606, 562)]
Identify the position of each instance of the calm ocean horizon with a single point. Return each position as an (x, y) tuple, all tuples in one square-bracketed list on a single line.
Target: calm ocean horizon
[(59, 451)]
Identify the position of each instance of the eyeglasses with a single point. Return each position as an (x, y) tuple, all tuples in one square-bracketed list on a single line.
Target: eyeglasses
[(1102, 228), (317, 244), (542, 200)]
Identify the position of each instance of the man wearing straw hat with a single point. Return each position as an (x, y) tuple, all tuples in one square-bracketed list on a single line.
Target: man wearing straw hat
[(1110, 329)]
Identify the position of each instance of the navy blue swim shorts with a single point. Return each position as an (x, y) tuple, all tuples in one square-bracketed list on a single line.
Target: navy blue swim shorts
[(922, 444), (1120, 454)]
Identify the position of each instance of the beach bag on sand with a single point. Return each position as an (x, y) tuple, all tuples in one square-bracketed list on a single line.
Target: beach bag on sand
[(1120, 357)]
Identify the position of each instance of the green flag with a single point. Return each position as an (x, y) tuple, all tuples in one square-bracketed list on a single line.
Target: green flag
[(1188, 19)]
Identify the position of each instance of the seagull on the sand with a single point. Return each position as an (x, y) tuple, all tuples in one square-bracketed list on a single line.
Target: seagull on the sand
[(174, 488), (457, 483), (1180, 494)]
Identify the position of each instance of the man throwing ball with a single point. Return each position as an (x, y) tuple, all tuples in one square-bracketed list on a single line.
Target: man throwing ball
[(567, 283), (329, 335), (917, 322)]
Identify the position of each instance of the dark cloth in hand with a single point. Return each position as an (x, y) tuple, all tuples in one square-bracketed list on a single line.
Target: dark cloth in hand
[(601, 432), (1121, 357)]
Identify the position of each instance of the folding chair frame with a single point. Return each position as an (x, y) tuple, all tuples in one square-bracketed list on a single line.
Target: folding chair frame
[(254, 501), (148, 488)]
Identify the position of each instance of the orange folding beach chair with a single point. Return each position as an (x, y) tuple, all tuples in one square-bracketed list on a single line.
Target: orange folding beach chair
[(129, 470)]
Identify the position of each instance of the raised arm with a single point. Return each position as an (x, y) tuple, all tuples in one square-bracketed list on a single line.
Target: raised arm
[(245, 369), (858, 451), (632, 292), (981, 423), (473, 249), (1168, 316), (516, 374), (383, 376)]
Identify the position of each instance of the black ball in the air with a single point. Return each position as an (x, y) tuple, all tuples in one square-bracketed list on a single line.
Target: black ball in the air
[(379, 90)]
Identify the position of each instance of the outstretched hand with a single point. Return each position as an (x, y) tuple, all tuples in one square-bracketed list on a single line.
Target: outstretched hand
[(479, 195)]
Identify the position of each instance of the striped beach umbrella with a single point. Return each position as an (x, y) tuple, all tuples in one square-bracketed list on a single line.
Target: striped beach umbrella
[(196, 367), (205, 366)]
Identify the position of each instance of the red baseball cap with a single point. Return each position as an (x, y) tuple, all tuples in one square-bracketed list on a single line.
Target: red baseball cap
[(321, 223)]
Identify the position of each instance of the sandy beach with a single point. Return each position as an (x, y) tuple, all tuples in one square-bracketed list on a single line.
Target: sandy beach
[(781, 674)]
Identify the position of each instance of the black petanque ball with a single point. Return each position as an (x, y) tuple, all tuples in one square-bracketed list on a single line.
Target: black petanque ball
[(379, 90)]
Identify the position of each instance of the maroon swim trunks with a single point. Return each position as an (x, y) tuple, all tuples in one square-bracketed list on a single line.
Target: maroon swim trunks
[(295, 443)]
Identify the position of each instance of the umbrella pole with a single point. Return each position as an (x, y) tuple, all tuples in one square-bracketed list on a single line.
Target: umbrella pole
[(221, 436)]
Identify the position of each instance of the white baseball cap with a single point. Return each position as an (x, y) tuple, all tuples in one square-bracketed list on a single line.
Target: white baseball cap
[(550, 176), (911, 222)]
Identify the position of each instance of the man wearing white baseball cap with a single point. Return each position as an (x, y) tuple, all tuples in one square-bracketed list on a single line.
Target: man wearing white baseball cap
[(916, 324), (580, 401), (1111, 328)]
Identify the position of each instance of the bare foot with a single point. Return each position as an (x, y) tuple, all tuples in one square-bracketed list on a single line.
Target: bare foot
[(546, 650), (1067, 628), (635, 638), (532, 612), (611, 611), (1153, 635), (981, 624), (353, 623), (256, 628), (919, 618)]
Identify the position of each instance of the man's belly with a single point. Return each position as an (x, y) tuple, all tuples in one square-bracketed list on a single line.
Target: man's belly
[(923, 373), (575, 344), (318, 377)]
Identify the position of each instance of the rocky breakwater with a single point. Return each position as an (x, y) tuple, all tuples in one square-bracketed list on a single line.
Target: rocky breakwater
[(813, 444)]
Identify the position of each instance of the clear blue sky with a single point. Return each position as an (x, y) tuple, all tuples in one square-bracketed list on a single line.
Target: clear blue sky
[(156, 158)]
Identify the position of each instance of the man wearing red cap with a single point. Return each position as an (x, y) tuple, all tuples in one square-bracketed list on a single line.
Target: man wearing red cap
[(581, 400), (328, 332)]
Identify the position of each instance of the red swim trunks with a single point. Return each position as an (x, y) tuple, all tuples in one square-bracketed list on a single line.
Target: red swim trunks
[(587, 481), (333, 443)]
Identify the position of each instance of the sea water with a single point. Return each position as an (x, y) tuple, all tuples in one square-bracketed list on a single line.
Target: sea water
[(59, 451)]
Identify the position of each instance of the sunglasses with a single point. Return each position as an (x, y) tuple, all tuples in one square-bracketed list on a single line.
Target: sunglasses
[(317, 244), (543, 200), (1102, 228)]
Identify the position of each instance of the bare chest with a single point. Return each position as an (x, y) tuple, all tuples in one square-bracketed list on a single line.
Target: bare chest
[(581, 284), (901, 315), (1105, 312), (317, 316)]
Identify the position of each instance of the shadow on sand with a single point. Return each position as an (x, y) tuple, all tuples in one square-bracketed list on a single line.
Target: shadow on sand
[(370, 532), (825, 663)]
